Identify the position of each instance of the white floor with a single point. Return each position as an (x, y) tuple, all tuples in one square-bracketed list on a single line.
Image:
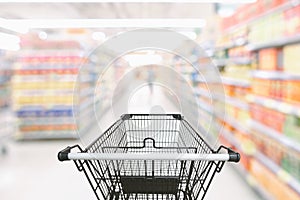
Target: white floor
[(31, 171)]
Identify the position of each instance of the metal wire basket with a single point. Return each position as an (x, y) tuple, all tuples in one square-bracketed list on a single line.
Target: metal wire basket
[(149, 156)]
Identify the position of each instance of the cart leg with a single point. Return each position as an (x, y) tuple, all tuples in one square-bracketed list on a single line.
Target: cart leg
[(115, 196), (187, 192)]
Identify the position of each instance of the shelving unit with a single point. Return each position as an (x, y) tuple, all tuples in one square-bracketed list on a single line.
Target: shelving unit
[(280, 106), (203, 110), (45, 99), (6, 124), (270, 42), (282, 139), (274, 43), (279, 172), (256, 186)]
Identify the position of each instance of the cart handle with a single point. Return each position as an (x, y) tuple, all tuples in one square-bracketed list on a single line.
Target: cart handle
[(63, 154), (231, 156)]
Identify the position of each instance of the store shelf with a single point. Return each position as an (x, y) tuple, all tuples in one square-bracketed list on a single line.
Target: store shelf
[(258, 188), (236, 82), (35, 112), (275, 104), (205, 107), (279, 172), (221, 62), (242, 171), (236, 103), (241, 61), (235, 124), (278, 75), (44, 99), (230, 100), (234, 61), (274, 43), (231, 139), (202, 92), (265, 161), (239, 42), (279, 137), (46, 135), (277, 9)]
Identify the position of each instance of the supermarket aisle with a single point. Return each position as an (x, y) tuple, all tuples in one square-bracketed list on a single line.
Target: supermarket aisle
[(32, 169)]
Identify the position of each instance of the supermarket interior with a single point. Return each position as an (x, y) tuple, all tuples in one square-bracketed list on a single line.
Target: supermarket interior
[(70, 68)]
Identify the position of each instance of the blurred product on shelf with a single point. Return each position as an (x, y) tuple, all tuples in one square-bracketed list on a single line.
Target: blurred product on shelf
[(277, 85), (269, 59), (270, 182), (291, 62), (292, 127), (269, 117)]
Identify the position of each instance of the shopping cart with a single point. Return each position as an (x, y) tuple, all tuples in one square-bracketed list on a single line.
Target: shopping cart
[(149, 156)]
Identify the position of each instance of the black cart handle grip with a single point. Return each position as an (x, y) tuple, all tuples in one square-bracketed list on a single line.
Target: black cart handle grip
[(234, 156), (63, 155)]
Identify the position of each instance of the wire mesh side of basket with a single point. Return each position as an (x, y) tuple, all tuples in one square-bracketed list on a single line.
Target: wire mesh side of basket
[(150, 179)]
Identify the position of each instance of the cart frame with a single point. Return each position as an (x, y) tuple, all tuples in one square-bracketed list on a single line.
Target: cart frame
[(149, 156)]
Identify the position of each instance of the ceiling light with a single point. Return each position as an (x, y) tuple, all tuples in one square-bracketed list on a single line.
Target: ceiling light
[(129, 1), (43, 35), (136, 60), (9, 42), (99, 36), (9, 38), (226, 12), (9, 46), (6, 24), (108, 23)]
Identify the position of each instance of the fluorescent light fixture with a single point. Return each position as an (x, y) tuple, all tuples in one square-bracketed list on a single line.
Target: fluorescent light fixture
[(8, 38), (129, 1), (10, 47), (108, 23), (9, 42), (43, 35), (6, 24), (99, 36), (226, 12), (136, 60)]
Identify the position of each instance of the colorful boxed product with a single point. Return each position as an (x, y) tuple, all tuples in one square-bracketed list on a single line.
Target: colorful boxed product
[(268, 59), (291, 62)]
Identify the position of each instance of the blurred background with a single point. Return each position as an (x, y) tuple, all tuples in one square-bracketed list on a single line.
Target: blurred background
[(254, 44)]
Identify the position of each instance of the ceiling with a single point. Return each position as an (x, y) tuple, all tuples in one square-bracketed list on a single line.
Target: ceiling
[(105, 10), (112, 10)]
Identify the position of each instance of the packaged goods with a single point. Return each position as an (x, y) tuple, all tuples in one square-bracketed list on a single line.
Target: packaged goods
[(291, 163), (271, 182), (268, 117), (292, 127), (268, 59), (291, 62)]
